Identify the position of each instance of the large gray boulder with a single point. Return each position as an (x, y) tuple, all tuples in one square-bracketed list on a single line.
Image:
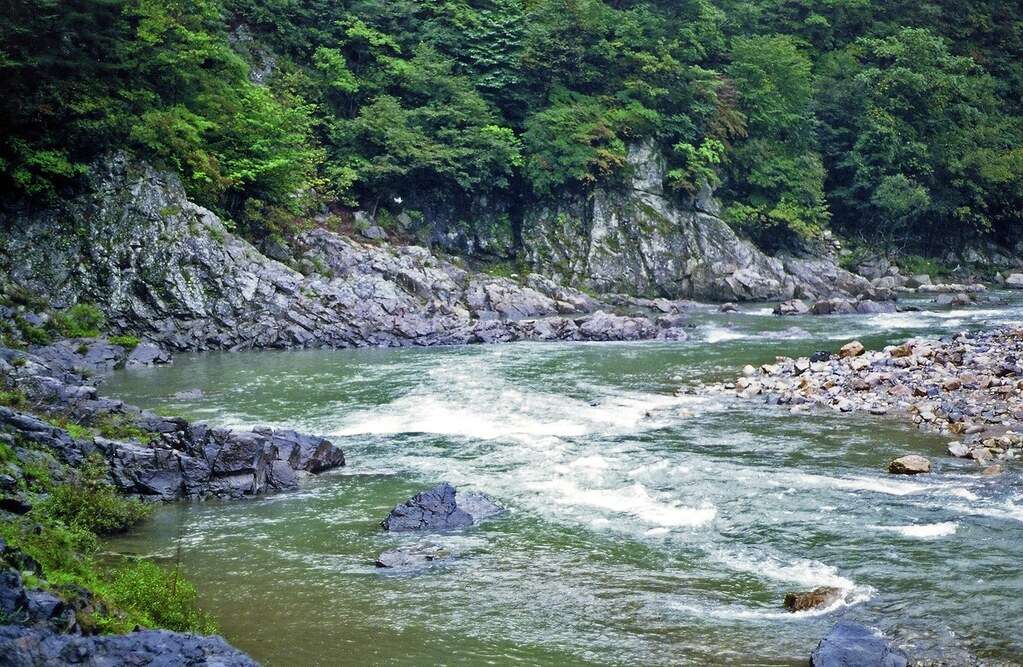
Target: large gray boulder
[(437, 509), (853, 645)]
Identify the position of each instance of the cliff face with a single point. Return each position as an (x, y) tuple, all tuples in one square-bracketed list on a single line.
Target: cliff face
[(638, 241), (165, 268)]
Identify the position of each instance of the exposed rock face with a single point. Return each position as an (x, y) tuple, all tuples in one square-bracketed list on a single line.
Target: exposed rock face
[(850, 644), (437, 509), (167, 269), (640, 242), (27, 646)]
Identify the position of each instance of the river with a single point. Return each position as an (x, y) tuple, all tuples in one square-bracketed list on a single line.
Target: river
[(643, 527)]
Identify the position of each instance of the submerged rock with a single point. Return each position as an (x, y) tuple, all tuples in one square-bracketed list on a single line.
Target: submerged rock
[(853, 645), (412, 556), (909, 465), (819, 597), (438, 509)]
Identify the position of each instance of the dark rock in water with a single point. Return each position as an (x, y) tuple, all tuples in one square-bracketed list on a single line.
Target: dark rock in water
[(437, 509), (412, 556), (792, 307), (147, 354), (818, 597), (728, 308), (820, 356), (853, 645), (29, 646)]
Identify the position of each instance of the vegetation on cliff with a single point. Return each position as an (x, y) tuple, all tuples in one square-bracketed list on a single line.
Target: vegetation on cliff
[(895, 121)]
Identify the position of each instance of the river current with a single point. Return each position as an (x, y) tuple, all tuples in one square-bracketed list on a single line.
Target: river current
[(644, 527)]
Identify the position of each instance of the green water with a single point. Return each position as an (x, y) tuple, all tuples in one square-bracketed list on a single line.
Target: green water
[(643, 528)]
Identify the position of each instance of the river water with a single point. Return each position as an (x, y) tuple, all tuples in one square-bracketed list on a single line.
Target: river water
[(643, 527)]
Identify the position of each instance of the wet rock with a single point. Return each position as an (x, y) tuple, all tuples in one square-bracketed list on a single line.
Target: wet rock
[(189, 395), (991, 471), (438, 509), (853, 645), (728, 307), (1014, 281), (958, 450), (818, 597), (146, 354), (412, 556), (31, 646), (909, 465), (792, 307), (853, 349), (918, 280)]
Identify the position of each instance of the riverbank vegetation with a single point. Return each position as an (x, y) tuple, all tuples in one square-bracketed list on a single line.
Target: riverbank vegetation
[(894, 121)]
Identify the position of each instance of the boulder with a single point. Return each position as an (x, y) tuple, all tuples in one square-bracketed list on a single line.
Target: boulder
[(818, 597), (1014, 281), (909, 465), (853, 349), (853, 645), (792, 307), (728, 307), (868, 307), (146, 354), (918, 280), (437, 509), (413, 556)]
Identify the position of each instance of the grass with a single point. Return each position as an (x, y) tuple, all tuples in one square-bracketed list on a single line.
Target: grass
[(120, 427), (127, 342), (90, 502), (82, 320), (14, 398)]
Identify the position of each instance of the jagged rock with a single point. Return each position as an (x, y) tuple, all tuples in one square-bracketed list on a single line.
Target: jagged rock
[(918, 280), (818, 597), (29, 646), (909, 465), (853, 645), (437, 509), (146, 354), (412, 556)]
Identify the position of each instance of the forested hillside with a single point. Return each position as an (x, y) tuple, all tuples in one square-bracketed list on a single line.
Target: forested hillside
[(897, 122)]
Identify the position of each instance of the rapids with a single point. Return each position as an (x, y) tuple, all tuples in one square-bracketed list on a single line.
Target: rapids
[(644, 527)]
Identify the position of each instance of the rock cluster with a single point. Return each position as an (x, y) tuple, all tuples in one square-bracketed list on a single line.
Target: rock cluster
[(151, 456), (968, 385), (834, 306)]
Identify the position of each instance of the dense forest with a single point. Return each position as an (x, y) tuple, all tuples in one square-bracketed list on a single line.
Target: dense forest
[(896, 122)]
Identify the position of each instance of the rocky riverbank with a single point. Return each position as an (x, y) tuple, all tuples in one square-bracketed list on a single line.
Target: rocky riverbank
[(968, 386)]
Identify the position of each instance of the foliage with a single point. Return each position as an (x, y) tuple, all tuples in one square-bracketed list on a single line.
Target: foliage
[(92, 503), (14, 398), (156, 597), (127, 342), (895, 121), (121, 427), (81, 320)]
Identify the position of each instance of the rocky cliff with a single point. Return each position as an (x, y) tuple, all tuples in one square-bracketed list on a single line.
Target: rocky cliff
[(638, 240)]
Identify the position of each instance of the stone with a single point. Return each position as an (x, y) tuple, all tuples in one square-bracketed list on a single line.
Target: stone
[(433, 509), (918, 280), (991, 471), (728, 307), (958, 450), (374, 232), (792, 307), (1014, 281), (909, 465), (819, 597), (146, 354), (850, 644), (412, 556), (853, 349)]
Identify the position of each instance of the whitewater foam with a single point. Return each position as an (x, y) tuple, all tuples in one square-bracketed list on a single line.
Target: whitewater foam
[(923, 531)]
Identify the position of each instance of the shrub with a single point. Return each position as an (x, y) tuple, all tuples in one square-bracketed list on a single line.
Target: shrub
[(82, 320), (127, 342), (158, 598), (119, 427), (30, 333), (92, 503), (14, 398)]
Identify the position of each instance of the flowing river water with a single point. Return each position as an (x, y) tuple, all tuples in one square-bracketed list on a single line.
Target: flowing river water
[(643, 527)]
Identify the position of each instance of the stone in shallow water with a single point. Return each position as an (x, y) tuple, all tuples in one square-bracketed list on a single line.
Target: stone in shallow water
[(412, 556), (909, 465), (818, 597), (853, 645), (438, 509)]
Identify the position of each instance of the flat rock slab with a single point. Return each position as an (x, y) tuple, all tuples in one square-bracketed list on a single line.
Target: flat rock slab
[(853, 645), (412, 556), (438, 509)]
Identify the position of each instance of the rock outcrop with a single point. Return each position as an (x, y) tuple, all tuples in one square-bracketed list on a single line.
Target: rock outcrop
[(438, 509), (168, 270), (151, 456), (639, 241), (850, 644)]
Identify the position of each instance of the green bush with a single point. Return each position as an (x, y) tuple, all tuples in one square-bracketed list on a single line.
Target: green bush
[(82, 320), (32, 334), (92, 503), (127, 342), (14, 398), (156, 597), (120, 427)]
